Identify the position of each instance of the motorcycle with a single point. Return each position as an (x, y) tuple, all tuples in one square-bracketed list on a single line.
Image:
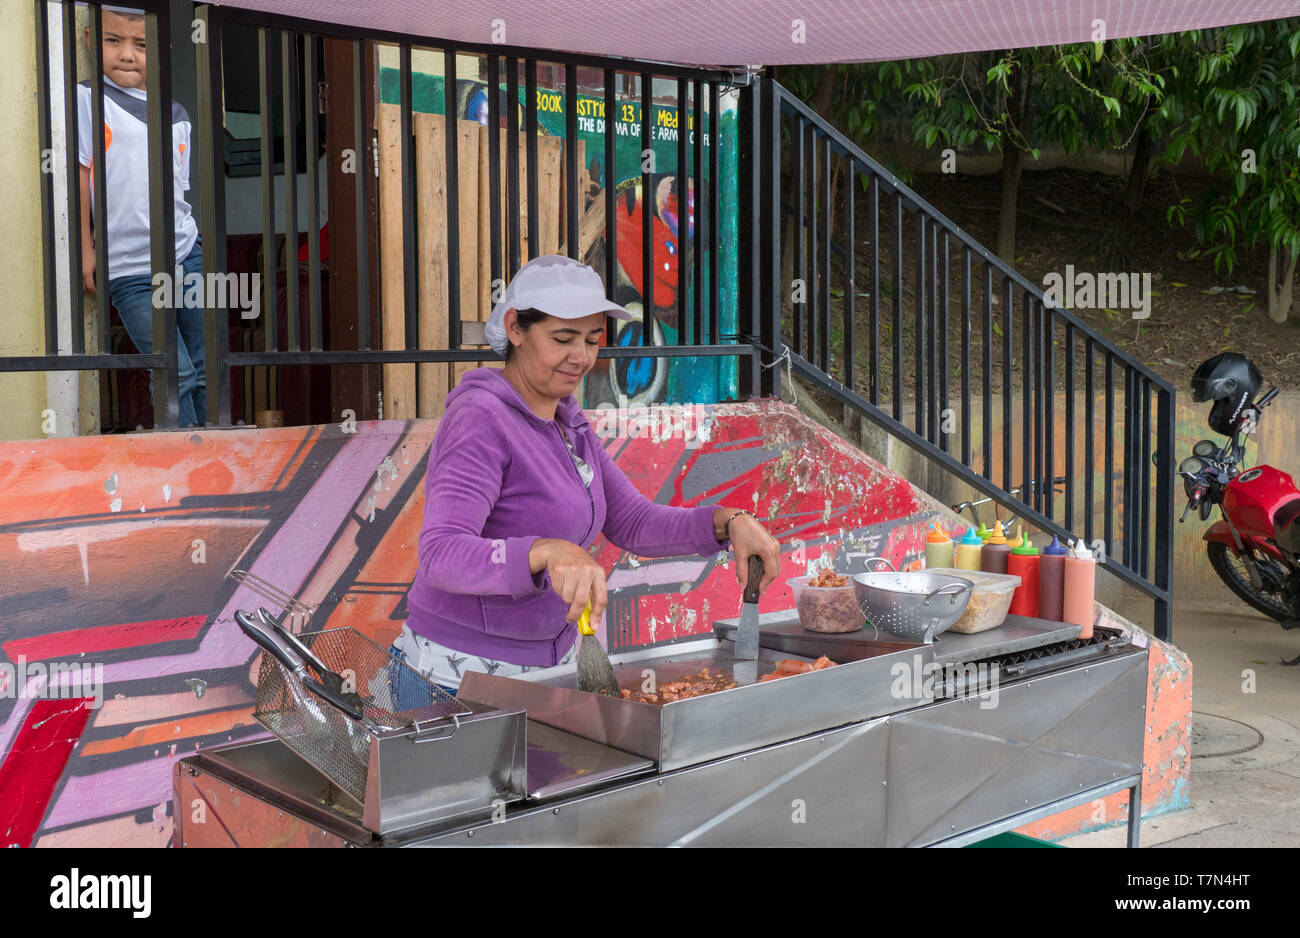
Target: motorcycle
[(1255, 547)]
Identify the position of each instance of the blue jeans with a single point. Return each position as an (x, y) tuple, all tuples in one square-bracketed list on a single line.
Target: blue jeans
[(133, 297), (408, 691)]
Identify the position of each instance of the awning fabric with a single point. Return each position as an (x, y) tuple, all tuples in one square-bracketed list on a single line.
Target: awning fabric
[(769, 32)]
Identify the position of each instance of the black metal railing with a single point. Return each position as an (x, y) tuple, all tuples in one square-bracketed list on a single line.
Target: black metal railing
[(697, 104), (968, 328)]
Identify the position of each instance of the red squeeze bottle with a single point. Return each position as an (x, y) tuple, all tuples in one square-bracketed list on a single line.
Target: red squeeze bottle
[(1023, 562)]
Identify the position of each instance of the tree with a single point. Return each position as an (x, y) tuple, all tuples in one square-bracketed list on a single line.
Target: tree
[(1237, 112), (1016, 100)]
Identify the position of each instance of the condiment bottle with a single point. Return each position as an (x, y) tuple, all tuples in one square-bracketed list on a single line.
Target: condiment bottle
[(1023, 563), (984, 533), (1014, 542), (938, 548), (993, 555), (968, 551), (1051, 581), (1080, 587)]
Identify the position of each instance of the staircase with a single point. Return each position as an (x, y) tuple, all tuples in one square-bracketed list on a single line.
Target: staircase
[(865, 291)]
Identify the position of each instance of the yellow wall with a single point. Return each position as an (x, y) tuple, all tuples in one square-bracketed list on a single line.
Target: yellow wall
[(428, 61), (22, 394)]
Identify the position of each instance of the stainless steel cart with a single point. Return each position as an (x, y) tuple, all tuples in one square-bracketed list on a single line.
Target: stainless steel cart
[(898, 745)]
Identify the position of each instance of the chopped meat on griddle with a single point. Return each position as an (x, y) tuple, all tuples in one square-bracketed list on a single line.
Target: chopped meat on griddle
[(692, 685)]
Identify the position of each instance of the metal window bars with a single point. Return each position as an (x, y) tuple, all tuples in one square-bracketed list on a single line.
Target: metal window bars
[(291, 123)]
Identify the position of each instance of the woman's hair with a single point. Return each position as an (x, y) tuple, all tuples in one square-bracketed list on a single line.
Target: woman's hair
[(527, 319)]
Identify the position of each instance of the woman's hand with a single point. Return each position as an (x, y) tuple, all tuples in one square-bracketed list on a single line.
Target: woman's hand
[(748, 536), (575, 575)]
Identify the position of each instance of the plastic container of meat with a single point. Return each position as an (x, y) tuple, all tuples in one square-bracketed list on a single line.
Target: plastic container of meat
[(989, 601), (826, 608)]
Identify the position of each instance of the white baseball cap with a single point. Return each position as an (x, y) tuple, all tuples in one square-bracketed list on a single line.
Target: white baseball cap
[(552, 284)]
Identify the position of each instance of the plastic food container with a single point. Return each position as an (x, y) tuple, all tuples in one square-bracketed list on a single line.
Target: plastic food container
[(826, 608), (989, 601)]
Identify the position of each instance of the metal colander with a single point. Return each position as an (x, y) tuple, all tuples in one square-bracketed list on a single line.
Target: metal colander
[(394, 696), (914, 605)]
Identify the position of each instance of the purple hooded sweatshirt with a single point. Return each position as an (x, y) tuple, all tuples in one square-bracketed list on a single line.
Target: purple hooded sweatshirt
[(499, 478)]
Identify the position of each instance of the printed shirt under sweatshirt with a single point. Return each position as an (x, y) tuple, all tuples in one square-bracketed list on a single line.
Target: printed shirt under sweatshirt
[(126, 172)]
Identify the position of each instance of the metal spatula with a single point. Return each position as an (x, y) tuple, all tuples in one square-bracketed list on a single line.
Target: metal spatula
[(746, 669), (595, 673)]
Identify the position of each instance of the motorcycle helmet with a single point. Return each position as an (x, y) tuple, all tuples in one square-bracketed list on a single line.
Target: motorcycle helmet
[(1225, 374), (1230, 380)]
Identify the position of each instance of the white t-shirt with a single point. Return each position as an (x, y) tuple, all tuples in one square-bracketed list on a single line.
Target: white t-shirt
[(126, 174)]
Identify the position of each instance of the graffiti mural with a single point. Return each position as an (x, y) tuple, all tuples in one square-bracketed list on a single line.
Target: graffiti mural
[(119, 649)]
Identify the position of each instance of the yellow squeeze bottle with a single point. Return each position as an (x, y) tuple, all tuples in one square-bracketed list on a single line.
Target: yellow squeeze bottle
[(938, 548), (968, 551)]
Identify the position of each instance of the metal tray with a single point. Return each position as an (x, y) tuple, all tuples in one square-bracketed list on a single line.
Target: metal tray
[(560, 764), (699, 729)]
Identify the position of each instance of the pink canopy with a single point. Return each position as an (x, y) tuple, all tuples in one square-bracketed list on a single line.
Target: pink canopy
[(776, 32)]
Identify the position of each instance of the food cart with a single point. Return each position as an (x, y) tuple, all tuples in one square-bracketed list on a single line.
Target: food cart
[(899, 744)]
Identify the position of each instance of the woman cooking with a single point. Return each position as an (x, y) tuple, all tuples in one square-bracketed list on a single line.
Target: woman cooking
[(519, 488)]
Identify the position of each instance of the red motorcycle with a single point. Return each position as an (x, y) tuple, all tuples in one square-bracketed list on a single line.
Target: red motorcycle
[(1255, 549)]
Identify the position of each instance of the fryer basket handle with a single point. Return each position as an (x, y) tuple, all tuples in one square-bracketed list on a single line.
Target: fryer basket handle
[(416, 737)]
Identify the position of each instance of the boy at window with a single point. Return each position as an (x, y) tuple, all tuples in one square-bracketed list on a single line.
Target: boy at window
[(126, 177)]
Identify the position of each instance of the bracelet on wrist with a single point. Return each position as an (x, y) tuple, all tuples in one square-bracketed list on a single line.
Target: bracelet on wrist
[(726, 528)]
